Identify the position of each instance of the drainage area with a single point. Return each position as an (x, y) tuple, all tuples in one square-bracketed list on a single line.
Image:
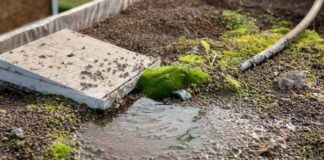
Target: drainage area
[(148, 128)]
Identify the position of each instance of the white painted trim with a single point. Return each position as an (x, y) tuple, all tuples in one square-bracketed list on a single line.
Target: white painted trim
[(75, 19)]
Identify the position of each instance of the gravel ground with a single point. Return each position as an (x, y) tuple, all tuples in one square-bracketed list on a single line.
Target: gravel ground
[(285, 125), (279, 125)]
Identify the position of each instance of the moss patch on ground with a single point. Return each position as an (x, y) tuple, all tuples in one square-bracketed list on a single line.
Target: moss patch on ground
[(243, 40), (48, 104), (192, 59), (233, 20), (60, 118), (160, 82), (61, 149), (241, 47), (238, 48), (59, 110), (310, 146), (311, 39)]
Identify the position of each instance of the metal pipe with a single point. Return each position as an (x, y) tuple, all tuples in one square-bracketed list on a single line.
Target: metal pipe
[(54, 7), (282, 43)]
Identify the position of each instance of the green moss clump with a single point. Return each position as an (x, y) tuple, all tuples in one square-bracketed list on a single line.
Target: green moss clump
[(231, 84), (160, 82), (192, 59), (60, 150), (233, 20)]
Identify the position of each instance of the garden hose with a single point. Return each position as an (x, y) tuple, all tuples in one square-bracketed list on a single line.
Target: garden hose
[(282, 43)]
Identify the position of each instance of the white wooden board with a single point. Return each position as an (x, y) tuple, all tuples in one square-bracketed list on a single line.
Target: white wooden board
[(79, 67)]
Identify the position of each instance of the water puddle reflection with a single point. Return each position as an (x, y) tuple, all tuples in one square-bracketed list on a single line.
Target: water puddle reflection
[(146, 129)]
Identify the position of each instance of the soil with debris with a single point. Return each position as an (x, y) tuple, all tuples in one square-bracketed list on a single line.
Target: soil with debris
[(288, 124), (42, 119), (37, 124), (280, 124), (150, 25)]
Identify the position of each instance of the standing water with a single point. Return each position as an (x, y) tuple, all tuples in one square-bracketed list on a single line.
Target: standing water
[(146, 129)]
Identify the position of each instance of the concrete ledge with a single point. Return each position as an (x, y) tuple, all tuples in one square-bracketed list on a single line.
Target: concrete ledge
[(76, 66)]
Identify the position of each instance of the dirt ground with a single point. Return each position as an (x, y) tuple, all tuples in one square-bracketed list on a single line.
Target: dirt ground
[(14, 14), (284, 125), (148, 26)]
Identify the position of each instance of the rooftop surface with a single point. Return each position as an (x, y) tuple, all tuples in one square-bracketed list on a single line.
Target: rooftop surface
[(77, 64)]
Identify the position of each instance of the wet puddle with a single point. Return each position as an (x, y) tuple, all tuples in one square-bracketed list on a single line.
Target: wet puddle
[(146, 129)]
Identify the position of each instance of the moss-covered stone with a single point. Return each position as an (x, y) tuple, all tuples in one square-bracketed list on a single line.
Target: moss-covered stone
[(158, 83), (233, 20)]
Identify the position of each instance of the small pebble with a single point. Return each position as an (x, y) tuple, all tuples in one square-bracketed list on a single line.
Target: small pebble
[(17, 133)]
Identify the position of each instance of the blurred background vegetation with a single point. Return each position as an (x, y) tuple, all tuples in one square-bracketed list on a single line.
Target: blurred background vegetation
[(68, 4)]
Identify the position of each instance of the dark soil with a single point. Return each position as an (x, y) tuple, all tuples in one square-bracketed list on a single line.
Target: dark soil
[(40, 124), (37, 124), (292, 10), (149, 27)]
